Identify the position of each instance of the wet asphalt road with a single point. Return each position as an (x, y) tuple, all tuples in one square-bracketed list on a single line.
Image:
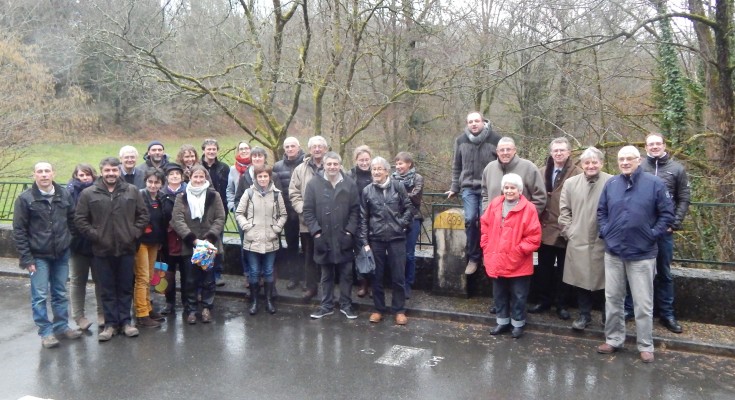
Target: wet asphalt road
[(289, 356)]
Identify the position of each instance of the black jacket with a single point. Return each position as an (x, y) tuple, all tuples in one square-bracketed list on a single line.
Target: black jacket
[(282, 172), (79, 243), (42, 228), (112, 221), (385, 214), (155, 231), (677, 183), (219, 172), (362, 178), (332, 212)]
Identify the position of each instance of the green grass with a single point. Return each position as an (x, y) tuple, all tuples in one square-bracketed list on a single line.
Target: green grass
[(64, 156)]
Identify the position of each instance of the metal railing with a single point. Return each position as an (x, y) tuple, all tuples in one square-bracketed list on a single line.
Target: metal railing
[(702, 242)]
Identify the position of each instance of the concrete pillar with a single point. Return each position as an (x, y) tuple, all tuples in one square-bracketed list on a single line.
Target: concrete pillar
[(449, 253)]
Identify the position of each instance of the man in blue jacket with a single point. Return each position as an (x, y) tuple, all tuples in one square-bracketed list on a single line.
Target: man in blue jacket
[(634, 211)]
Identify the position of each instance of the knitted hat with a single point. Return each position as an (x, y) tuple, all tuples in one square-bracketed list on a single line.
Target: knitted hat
[(154, 143)]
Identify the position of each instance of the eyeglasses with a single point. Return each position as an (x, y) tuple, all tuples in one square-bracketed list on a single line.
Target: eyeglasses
[(506, 150), (628, 159), (378, 169)]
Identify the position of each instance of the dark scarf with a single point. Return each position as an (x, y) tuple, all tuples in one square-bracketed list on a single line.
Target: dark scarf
[(407, 179), (241, 164)]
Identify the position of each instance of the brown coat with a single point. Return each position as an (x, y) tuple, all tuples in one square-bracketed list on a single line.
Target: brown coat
[(549, 217), (585, 257), (209, 227)]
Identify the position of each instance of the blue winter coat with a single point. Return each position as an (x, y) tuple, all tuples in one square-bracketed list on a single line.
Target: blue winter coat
[(634, 211)]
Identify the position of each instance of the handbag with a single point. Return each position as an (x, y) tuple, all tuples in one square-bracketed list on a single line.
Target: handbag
[(365, 262), (158, 279)]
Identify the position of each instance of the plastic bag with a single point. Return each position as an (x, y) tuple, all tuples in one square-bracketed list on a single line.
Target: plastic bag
[(204, 253)]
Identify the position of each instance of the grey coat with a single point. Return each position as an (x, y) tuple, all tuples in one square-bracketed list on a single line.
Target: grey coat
[(585, 256)]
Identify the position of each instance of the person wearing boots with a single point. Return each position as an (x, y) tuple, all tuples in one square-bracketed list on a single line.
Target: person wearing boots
[(331, 212), (261, 214), (198, 215)]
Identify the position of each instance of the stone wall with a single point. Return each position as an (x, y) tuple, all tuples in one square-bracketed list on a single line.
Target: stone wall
[(701, 295)]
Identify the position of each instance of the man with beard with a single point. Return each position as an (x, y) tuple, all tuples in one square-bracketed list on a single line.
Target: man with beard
[(473, 150), (112, 215)]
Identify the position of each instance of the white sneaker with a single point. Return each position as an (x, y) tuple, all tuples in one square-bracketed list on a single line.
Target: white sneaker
[(471, 267), (130, 330)]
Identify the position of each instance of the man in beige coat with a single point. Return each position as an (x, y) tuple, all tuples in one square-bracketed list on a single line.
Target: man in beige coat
[(301, 176), (585, 253), (547, 276)]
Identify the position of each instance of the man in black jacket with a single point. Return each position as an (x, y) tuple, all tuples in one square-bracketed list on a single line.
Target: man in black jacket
[(282, 171), (42, 224), (219, 172), (659, 163), (331, 210), (112, 215)]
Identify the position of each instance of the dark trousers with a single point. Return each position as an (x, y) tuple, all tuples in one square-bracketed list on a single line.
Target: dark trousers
[(510, 295), (291, 233), (345, 285), (391, 255), (584, 300), (116, 276), (198, 278), (311, 270), (175, 263), (547, 278)]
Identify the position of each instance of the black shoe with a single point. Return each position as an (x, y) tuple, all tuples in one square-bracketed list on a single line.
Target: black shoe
[(517, 332), (321, 313), (493, 310), (156, 316), (292, 285), (581, 323), (169, 309), (563, 314), (672, 325), (500, 329), (538, 308)]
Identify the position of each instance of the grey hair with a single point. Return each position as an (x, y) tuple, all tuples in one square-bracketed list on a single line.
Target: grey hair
[(507, 139), (314, 140), (591, 152), (513, 179), (127, 149), (330, 155), (629, 150), (560, 140), (380, 161)]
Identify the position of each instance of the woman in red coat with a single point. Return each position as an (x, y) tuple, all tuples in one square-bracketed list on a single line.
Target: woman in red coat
[(510, 233)]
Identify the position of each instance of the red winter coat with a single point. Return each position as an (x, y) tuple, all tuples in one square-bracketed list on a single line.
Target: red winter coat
[(508, 245)]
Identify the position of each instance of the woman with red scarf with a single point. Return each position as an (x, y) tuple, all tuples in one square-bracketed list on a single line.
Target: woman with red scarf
[(242, 163)]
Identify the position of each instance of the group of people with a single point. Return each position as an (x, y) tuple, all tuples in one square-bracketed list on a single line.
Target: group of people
[(592, 231), (119, 224)]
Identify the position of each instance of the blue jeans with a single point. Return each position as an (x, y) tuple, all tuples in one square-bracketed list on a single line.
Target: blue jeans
[(509, 296), (663, 284), (390, 255), (412, 236), (50, 275), (472, 200), (260, 263)]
